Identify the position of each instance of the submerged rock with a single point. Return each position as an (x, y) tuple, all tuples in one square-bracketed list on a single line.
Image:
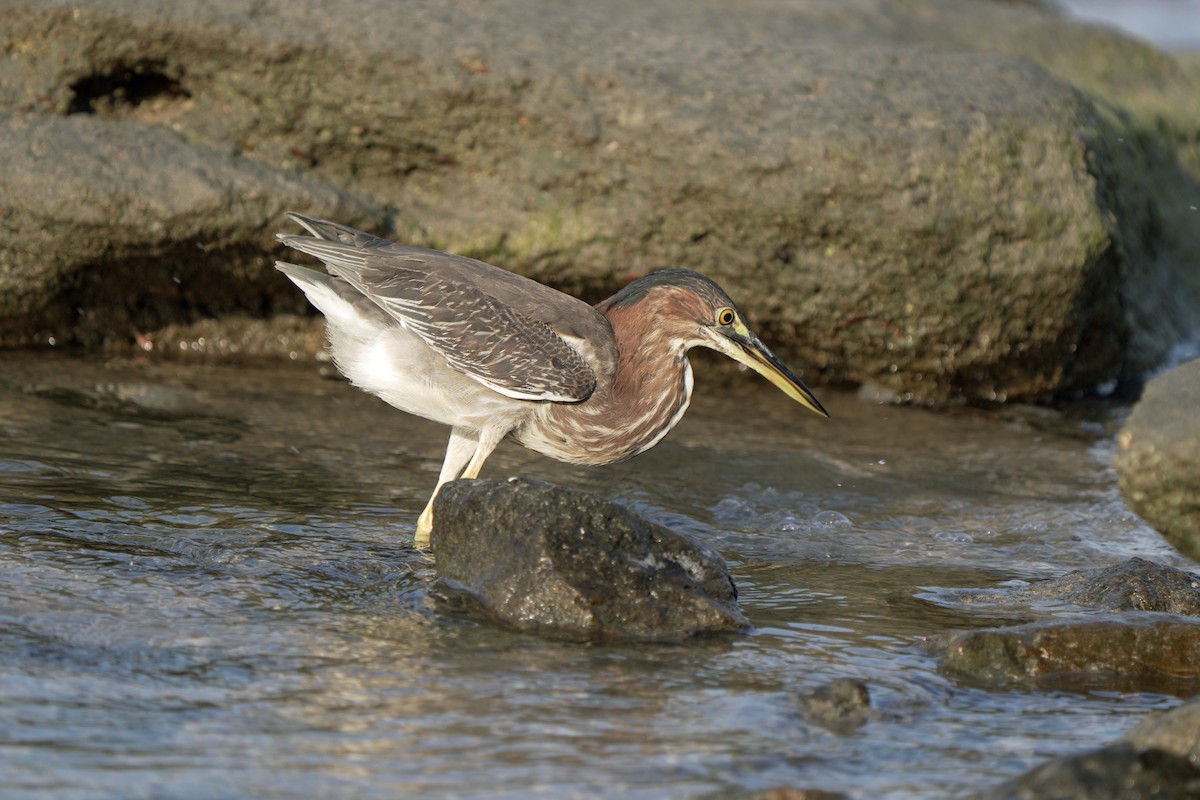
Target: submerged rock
[(1119, 772), (841, 706), (1159, 458), (545, 558), (1144, 652), (1134, 585)]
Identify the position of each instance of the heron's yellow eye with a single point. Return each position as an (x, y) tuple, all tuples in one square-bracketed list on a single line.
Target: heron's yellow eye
[(725, 316)]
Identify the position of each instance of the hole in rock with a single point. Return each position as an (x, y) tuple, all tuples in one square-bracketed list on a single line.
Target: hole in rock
[(125, 89)]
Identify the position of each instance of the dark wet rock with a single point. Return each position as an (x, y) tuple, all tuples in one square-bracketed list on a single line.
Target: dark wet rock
[(899, 192), (1159, 458), (841, 706), (1176, 731), (1143, 652), (1119, 772), (554, 560)]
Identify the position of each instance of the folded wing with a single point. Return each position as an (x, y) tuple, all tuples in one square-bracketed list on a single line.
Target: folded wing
[(500, 329)]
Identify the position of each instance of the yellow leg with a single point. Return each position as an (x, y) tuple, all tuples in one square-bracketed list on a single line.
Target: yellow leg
[(463, 445), (424, 525), (480, 446)]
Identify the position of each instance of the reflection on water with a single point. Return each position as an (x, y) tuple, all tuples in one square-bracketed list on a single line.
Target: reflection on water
[(208, 590)]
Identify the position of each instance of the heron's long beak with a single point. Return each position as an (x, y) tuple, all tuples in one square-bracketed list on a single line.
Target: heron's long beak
[(743, 346)]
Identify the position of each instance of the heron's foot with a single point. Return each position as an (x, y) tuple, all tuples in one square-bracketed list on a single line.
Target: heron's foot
[(424, 528)]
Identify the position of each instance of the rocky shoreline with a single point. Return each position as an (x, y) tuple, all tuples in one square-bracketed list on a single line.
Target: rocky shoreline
[(940, 202), (968, 205), (562, 563), (948, 202)]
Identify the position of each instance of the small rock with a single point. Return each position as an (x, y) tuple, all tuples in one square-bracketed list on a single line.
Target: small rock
[(1135, 585), (1140, 653), (790, 793), (549, 559), (1159, 457), (1118, 772), (841, 706), (1176, 731)]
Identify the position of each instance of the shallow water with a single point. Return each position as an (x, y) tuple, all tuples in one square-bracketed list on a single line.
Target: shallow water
[(208, 591)]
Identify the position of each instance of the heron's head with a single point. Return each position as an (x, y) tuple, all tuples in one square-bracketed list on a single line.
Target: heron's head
[(689, 310)]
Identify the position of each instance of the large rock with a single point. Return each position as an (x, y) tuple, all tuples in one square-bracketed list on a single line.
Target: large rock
[(1159, 458), (553, 560), (114, 228), (899, 193)]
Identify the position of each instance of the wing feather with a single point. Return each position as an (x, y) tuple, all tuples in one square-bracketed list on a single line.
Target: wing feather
[(445, 299)]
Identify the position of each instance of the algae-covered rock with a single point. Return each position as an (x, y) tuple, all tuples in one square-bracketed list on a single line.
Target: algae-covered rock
[(1133, 653), (1159, 458)]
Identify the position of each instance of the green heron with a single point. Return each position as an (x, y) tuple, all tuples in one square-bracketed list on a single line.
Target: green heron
[(493, 354)]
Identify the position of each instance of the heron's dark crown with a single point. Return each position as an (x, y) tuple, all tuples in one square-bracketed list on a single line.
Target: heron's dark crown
[(679, 279)]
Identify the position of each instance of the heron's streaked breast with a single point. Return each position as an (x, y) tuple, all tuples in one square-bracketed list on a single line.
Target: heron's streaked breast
[(616, 423)]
